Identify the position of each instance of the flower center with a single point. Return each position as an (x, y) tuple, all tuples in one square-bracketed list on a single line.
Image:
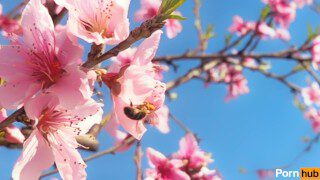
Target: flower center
[(47, 71), (99, 22)]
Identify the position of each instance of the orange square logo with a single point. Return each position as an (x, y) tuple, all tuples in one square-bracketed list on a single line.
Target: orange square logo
[(309, 173)]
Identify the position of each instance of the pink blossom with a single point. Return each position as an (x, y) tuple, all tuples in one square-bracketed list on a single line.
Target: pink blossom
[(173, 27), (265, 174), (9, 25), (284, 11), (313, 115), (315, 52), (149, 9), (163, 168), (123, 59), (302, 3), (241, 27), (191, 153), (101, 22), (135, 86), (163, 117), (265, 30), (44, 60), (12, 133), (206, 174), (53, 139), (283, 34), (311, 94), (237, 83), (250, 62), (233, 76), (239, 86)]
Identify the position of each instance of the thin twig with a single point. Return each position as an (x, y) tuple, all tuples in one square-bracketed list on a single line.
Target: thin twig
[(137, 160), (180, 124)]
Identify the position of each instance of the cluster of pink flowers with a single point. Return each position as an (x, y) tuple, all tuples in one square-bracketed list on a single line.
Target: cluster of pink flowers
[(315, 53), (283, 12), (241, 27), (311, 99), (233, 76), (42, 70), (189, 162)]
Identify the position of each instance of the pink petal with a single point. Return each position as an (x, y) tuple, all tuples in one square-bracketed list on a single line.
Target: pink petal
[(36, 156), (38, 28), (14, 135), (91, 112), (68, 160), (35, 106), (70, 51), (173, 28), (155, 157), (135, 128), (14, 94), (73, 88), (163, 116), (12, 65), (147, 50)]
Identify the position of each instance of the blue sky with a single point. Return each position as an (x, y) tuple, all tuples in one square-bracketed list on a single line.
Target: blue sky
[(260, 130)]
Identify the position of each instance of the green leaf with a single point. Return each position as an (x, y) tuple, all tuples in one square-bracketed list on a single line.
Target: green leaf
[(2, 134), (310, 31), (209, 32), (298, 104), (175, 16), (169, 6), (298, 67), (265, 11), (228, 39)]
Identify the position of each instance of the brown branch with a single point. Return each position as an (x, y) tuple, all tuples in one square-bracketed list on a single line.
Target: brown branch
[(137, 160), (58, 17), (143, 31), (12, 118), (197, 24)]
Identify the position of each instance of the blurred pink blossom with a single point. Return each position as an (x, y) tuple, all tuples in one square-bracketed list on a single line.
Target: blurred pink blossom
[(284, 11), (241, 27), (283, 34), (315, 52), (9, 25), (265, 174), (313, 115), (191, 153), (206, 174), (302, 3), (149, 9), (163, 168), (264, 30), (311, 95)]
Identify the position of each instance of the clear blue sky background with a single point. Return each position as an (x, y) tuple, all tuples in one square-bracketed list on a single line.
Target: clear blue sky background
[(259, 130)]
